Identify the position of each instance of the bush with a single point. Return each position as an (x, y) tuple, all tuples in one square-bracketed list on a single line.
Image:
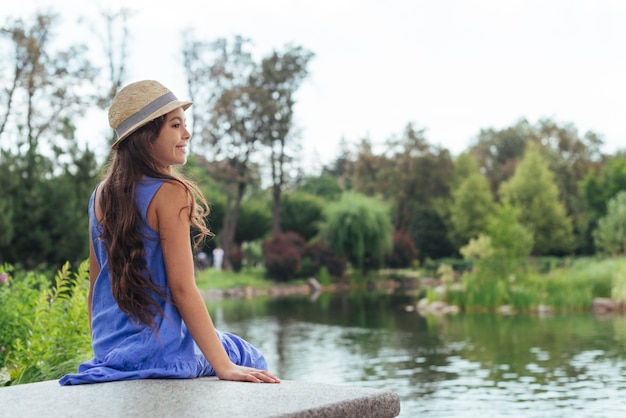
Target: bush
[(283, 254), (360, 228), (51, 335), (403, 252), (320, 257)]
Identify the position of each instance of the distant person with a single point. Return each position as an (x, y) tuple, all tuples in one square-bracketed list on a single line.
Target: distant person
[(203, 260), (147, 317), (218, 258)]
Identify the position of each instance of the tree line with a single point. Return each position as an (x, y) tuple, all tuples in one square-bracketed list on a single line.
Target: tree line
[(406, 199)]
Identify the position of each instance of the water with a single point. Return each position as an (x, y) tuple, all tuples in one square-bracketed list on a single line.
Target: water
[(465, 365)]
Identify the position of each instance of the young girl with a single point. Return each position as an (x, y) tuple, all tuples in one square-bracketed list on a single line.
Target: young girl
[(148, 319)]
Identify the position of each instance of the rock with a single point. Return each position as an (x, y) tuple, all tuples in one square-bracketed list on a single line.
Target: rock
[(604, 305), (506, 310)]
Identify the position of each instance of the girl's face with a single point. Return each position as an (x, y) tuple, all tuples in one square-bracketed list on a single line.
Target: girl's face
[(170, 147)]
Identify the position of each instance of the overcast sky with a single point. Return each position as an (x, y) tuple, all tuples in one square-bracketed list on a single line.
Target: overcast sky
[(452, 67)]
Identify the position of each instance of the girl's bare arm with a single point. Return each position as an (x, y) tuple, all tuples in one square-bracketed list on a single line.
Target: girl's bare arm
[(171, 206)]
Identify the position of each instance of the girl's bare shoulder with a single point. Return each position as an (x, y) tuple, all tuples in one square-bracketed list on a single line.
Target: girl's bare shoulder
[(172, 194)]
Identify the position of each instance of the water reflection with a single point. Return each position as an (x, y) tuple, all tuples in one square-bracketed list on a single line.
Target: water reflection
[(464, 365)]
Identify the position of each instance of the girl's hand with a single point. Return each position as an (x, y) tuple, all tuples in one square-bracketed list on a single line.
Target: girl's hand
[(247, 374)]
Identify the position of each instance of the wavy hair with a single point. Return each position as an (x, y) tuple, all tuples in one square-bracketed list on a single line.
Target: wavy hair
[(131, 283)]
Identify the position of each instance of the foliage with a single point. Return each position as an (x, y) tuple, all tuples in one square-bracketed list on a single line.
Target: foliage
[(598, 188), (45, 176), (472, 206), (282, 254), (276, 82), (618, 288), (51, 335), (509, 238), (403, 252), (610, 236), (465, 165), (568, 154), (533, 191), (242, 119), (247, 277), (301, 213), (242, 115), (322, 259), (252, 253), (410, 173), (255, 220), (430, 234), (324, 186), (359, 228), (502, 252), (477, 248)]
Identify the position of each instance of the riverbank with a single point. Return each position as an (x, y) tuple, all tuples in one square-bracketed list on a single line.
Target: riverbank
[(576, 285), (312, 287)]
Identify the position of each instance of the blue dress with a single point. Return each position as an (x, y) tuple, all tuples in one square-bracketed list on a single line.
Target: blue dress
[(124, 350)]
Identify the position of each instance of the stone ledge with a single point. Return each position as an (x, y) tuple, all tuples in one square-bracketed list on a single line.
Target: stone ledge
[(195, 398)]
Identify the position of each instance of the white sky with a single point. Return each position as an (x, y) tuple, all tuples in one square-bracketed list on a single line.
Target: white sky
[(450, 66)]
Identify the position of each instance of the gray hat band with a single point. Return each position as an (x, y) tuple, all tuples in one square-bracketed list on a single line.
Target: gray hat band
[(144, 112)]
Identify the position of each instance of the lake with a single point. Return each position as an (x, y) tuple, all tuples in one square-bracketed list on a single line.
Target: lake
[(487, 365)]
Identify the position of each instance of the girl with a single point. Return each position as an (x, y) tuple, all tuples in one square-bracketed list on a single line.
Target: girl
[(147, 317)]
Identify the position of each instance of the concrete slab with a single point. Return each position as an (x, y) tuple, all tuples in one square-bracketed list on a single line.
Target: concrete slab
[(200, 397)]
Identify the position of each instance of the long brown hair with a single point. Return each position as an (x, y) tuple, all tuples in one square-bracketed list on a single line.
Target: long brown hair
[(131, 283)]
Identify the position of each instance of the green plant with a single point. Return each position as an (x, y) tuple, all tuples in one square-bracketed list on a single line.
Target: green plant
[(57, 339)]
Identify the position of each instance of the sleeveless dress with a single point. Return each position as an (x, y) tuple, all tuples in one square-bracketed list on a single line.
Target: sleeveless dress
[(124, 350)]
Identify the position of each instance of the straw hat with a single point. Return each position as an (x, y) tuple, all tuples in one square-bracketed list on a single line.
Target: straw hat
[(139, 103)]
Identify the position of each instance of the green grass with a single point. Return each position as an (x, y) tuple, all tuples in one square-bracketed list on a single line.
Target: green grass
[(247, 277), (566, 286)]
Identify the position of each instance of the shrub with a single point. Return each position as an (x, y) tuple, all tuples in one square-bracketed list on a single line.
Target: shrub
[(320, 256), (53, 328), (403, 251), (283, 254), (360, 228)]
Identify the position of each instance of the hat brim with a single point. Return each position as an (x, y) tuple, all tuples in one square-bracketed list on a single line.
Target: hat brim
[(160, 112)]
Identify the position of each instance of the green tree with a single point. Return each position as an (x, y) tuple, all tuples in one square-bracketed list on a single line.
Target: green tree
[(302, 213), (501, 252), (430, 234), (465, 165), (225, 120), (534, 192), (255, 221), (278, 78), (568, 154), (472, 206), (596, 189), (43, 169), (359, 228), (325, 186), (499, 151), (610, 236), (409, 172)]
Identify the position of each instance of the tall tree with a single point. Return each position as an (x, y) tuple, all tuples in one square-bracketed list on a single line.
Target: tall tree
[(499, 151), (302, 213), (359, 228), (472, 207), (325, 186), (276, 84), (409, 172), (226, 122), (114, 39), (610, 236), (47, 90), (533, 191)]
